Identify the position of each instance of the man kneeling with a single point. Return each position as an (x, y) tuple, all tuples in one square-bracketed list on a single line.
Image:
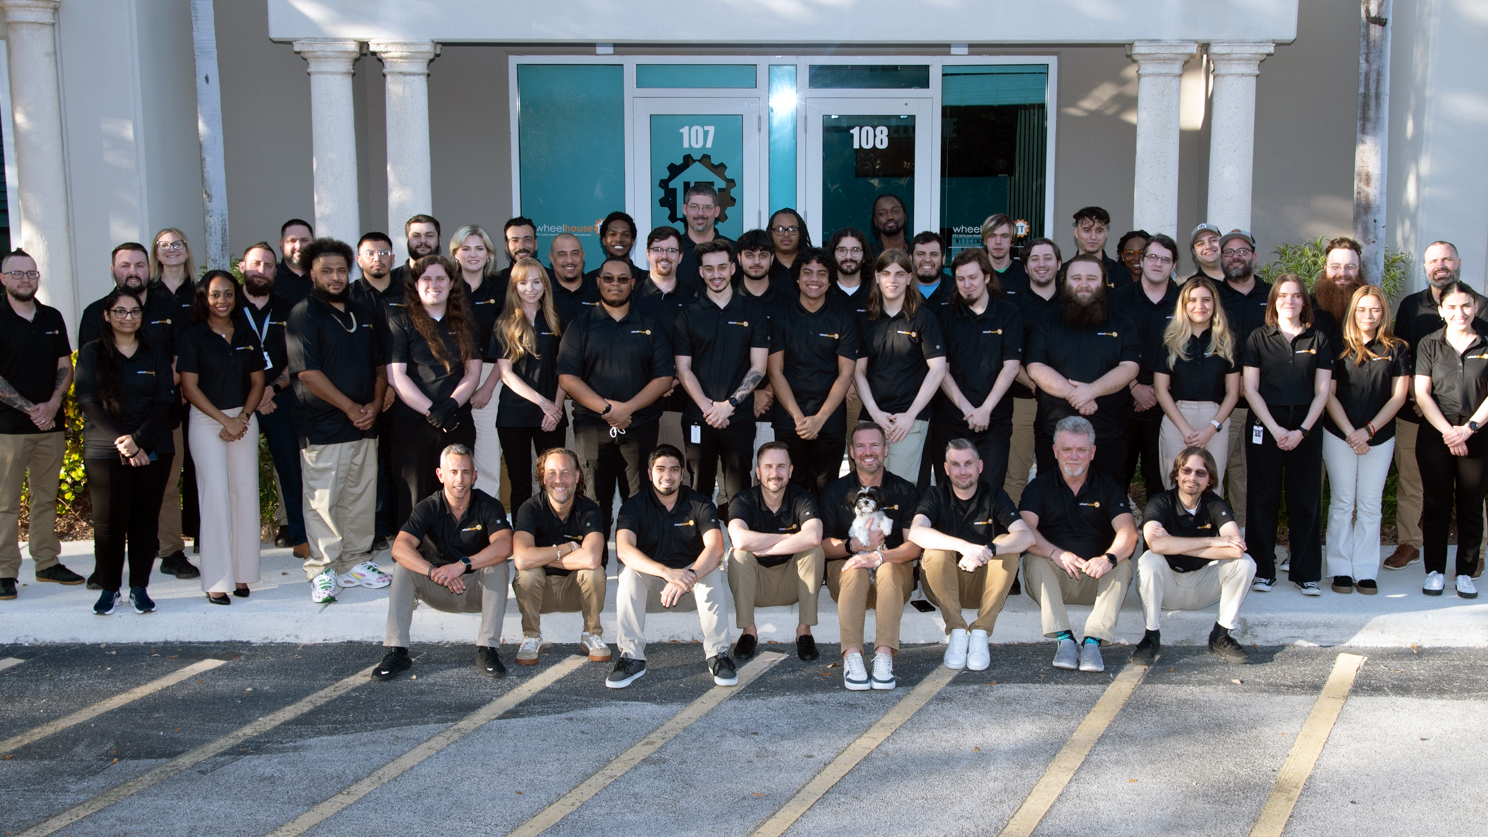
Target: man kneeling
[(669, 540), (777, 557), (558, 550), (972, 535), (1195, 557), (451, 555)]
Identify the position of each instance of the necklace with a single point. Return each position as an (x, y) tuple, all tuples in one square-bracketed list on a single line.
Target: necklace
[(353, 328)]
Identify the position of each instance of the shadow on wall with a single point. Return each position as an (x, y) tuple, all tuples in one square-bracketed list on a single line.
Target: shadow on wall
[(1117, 99)]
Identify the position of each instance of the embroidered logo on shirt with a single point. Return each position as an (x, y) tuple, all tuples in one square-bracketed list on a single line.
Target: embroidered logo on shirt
[(993, 331), (1095, 504), (1207, 526), (150, 372), (645, 331), (476, 528), (915, 334), (1305, 352), (685, 523), (744, 323), (1107, 334), (833, 336), (1469, 357)]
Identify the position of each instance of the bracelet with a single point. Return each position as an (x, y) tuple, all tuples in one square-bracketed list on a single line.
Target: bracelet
[(880, 558), (1370, 427)]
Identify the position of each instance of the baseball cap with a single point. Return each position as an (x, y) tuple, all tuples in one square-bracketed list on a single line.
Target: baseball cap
[(1245, 234), (1201, 228)]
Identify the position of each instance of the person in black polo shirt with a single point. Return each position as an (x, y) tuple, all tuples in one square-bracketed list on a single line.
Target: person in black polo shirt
[(777, 557), (972, 536), (813, 355), (574, 291), (290, 282), (380, 293), (1243, 296), (1195, 557), (617, 237), (1131, 248), (1084, 537), (474, 254), (888, 223), (984, 352), (700, 208), (451, 555), (1149, 304), (1195, 366), (615, 363), (1092, 226), (1083, 360), (788, 237), (1288, 370), (337, 361), (559, 556), (173, 279), (1043, 261), (1203, 246), (519, 237), (998, 232), (35, 374), (524, 344), (662, 295), (423, 235), (759, 280), (720, 342), (671, 544), (846, 249), (878, 573), (927, 251)]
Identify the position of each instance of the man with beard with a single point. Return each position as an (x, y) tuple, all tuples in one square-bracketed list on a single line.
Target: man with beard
[(998, 232), (1243, 296), (617, 235), (1203, 245), (758, 281), (35, 374), (381, 294), (130, 267), (423, 234), (1092, 225), (928, 255), (700, 208), (847, 249), (519, 237), (1082, 360), (573, 289), (1040, 300), (889, 221), (1149, 303), (290, 282), (1331, 293), (661, 296), (337, 361)]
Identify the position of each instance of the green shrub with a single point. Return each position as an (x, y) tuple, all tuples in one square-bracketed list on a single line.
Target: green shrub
[(1306, 260)]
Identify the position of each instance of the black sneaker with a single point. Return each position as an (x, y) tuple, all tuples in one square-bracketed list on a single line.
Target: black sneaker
[(141, 600), (744, 648), (7, 588), (58, 574), (380, 543), (1367, 586), (106, 601), (281, 538), (1229, 650), (394, 661), (626, 672), (488, 662), (1145, 654), (177, 565), (723, 671), (93, 583), (1343, 584), (806, 648)]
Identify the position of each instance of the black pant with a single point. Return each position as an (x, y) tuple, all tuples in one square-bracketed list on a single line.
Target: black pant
[(1268, 469), (387, 504), (1448, 481), (815, 462), (732, 448), (1110, 454), (1142, 435), (415, 447), (126, 510), (517, 446), (991, 444), (613, 462)]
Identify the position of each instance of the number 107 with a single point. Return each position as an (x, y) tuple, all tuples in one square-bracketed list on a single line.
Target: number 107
[(697, 136)]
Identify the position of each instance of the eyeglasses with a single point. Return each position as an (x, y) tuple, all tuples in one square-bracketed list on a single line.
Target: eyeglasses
[(698, 207), (614, 280), (127, 313), (1156, 259), (851, 251), (1193, 472), (18, 275), (172, 245), (1236, 251), (792, 230), (377, 254), (663, 251)]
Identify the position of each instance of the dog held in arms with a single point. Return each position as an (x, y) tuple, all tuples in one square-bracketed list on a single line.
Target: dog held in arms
[(868, 514)]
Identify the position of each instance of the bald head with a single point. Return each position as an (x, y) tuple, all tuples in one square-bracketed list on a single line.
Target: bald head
[(567, 257)]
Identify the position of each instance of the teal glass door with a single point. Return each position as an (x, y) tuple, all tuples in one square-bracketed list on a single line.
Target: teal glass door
[(685, 141), (860, 150)]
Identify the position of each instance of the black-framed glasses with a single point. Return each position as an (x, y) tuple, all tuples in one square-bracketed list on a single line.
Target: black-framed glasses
[(18, 275), (791, 229), (663, 251), (1236, 251), (127, 313)]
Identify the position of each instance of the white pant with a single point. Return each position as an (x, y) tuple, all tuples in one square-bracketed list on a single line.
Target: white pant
[(903, 458), (1357, 484), (227, 491), (487, 445), (1225, 582), (640, 593)]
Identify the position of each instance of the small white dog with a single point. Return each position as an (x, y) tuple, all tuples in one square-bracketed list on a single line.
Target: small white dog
[(868, 514)]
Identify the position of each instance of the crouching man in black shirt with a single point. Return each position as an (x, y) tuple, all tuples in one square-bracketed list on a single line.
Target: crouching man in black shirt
[(1195, 557), (451, 555)]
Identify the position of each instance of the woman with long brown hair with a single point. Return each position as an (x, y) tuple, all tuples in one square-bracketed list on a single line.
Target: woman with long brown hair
[(434, 367), (524, 344), (1196, 377)]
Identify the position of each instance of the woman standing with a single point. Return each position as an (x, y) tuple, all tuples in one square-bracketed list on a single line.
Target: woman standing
[(788, 233), (1452, 391), (173, 270), (1196, 378), (903, 361), (474, 253), (221, 365), (525, 346), (124, 389), (1288, 369), (434, 367)]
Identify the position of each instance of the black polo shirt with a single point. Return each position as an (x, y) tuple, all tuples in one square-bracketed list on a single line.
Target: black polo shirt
[(407, 345), (1201, 377), (433, 523), (224, 369), (486, 304), (537, 518), (347, 348), (157, 326), (796, 508), (689, 270), (855, 302), (1288, 366), (180, 303), (664, 306), (977, 345), (147, 393), (573, 303), (29, 351), (898, 350), (617, 359), (1035, 310), (1365, 388), (1081, 523), (1084, 355), (812, 343), (1117, 274), (539, 372), (1325, 324), (837, 500), (988, 513), (384, 302), (290, 286), (1150, 318), (1205, 521), (1458, 382), (1244, 312), (268, 325), (672, 538), (940, 298), (1014, 280), (774, 300), (719, 341), (1417, 316)]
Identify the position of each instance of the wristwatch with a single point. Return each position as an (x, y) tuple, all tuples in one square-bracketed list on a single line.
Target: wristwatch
[(1111, 556), (1473, 426), (607, 409), (732, 402), (1216, 425), (466, 561), (276, 388), (1305, 431)]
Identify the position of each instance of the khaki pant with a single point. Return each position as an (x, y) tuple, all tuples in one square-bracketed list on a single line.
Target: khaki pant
[(340, 484), (796, 582), (950, 588), (1170, 442), (227, 491), (40, 455), (487, 446), (1053, 589), (903, 458), (1235, 468), (669, 432), (1020, 448), (169, 534), (855, 591), (1408, 487), (485, 593), (640, 594), (854, 415), (581, 591), (1225, 582)]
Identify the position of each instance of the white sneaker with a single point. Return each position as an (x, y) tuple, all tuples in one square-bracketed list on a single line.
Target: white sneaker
[(955, 653), (323, 588), (1435, 583), (1286, 564), (594, 647), (366, 574), (854, 674), (978, 657), (1090, 657), (527, 655), (883, 671), (1465, 588)]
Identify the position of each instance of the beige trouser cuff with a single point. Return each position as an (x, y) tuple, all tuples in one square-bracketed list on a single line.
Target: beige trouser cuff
[(581, 591), (796, 582), (1052, 588), (1162, 588), (950, 588)]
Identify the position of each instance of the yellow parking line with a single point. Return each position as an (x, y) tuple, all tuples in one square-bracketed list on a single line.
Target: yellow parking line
[(10, 662), (1300, 762), (570, 802)]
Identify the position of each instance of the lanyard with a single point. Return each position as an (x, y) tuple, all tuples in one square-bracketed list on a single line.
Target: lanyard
[(263, 334)]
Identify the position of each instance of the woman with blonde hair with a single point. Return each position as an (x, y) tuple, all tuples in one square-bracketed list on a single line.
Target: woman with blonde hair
[(173, 268), (524, 343), (474, 255), (1196, 377)]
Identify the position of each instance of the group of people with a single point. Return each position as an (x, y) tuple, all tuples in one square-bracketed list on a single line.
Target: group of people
[(714, 388)]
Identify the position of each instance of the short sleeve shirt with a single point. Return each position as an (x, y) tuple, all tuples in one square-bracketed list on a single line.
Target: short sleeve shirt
[(1459, 382), (1082, 523), (1288, 365), (796, 509), (901, 498), (346, 348), (434, 524), (1205, 521), (977, 345), (537, 518), (671, 537), (1150, 318), (1201, 377), (145, 381), (268, 324), (617, 359), (428, 373), (719, 341), (29, 351), (223, 368), (898, 349), (812, 342), (988, 513), (1085, 354), (1365, 388), (538, 371)]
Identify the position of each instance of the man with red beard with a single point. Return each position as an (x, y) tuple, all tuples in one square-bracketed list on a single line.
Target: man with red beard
[(1342, 261)]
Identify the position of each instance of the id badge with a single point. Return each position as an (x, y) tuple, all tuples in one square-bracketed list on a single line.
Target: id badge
[(1257, 434), (696, 434), (268, 364)]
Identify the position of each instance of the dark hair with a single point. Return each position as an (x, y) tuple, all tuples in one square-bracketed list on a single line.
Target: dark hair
[(456, 312), (1028, 249), (1273, 317), (1456, 286), (754, 240), (128, 245), (662, 233), (519, 221), (295, 222), (663, 451), (702, 187), (421, 219), (1088, 258), (1209, 465), (106, 375), (1121, 245), (1343, 242), (836, 239), (542, 463), (1093, 213), (979, 257), (200, 304), (327, 247), (926, 237), (717, 245), (873, 212), (14, 254), (260, 245), (867, 425), (619, 261), (374, 236), (769, 446), (800, 223), (806, 256), (604, 225), (1164, 242)]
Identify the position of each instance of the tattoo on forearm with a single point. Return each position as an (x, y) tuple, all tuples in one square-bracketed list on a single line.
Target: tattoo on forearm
[(751, 380), (11, 398), (62, 376)]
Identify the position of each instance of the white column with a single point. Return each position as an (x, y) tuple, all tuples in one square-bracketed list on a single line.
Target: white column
[(35, 95), (1159, 93), (333, 136), (1232, 130), (405, 66)]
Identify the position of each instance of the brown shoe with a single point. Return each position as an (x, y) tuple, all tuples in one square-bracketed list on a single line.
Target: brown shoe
[(302, 551), (1403, 557)]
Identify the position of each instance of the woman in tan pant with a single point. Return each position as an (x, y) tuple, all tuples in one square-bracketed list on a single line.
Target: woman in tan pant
[(1196, 376)]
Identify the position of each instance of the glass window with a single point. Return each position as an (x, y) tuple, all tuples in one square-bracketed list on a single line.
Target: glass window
[(870, 76), (696, 75), (863, 159), (782, 136)]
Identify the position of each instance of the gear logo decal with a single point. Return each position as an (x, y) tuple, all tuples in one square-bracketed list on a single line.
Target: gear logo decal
[(695, 170)]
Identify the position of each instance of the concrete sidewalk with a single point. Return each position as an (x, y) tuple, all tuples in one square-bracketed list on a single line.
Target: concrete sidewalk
[(280, 611)]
